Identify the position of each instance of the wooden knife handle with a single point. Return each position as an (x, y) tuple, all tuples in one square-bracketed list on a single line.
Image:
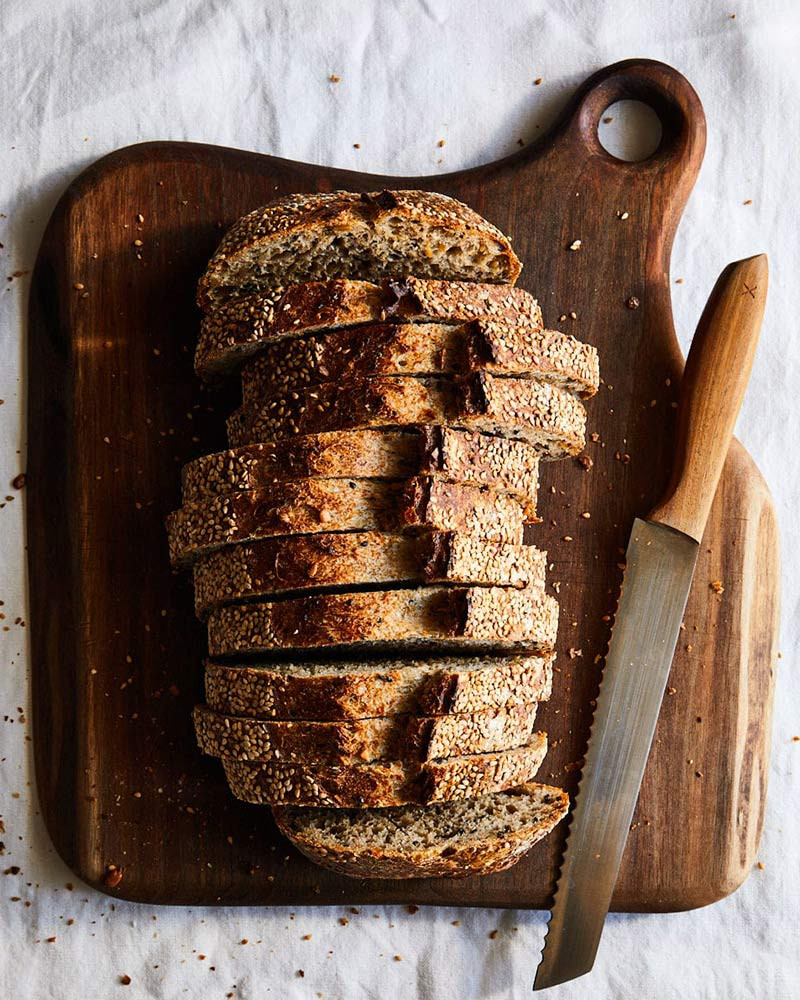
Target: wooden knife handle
[(714, 381)]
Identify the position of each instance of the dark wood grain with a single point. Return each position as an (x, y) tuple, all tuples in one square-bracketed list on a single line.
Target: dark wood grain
[(115, 410)]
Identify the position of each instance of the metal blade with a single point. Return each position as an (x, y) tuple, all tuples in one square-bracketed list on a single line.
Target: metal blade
[(658, 574)]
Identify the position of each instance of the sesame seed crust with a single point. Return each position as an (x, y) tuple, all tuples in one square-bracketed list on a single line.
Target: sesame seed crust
[(549, 418), (393, 737), (441, 452), (347, 690), (421, 349), (477, 618), (311, 506), (286, 565), (241, 328), (343, 234), (385, 783), (480, 836)]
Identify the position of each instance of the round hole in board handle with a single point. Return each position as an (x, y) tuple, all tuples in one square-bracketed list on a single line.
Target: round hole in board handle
[(629, 130)]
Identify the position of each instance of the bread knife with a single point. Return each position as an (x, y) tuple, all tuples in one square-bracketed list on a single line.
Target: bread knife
[(660, 562)]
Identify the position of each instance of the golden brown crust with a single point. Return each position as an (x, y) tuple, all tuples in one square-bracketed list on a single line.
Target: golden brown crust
[(337, 691), (329, 561), (243, 327), (311, 506), (393, 737), (549, 418), (480, 618), (429, 450), (384, 783)]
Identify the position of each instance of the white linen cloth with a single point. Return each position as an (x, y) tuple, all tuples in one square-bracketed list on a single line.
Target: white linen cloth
[(79, 78)]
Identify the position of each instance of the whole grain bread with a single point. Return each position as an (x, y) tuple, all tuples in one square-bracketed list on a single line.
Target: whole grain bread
[(329, 561), (368, 688), (243, 327), (346, 235), (429, 450), (478, 619), (443, 840), (420, 349), (359, 741), (384, 783), (311, 506), (550, 419)]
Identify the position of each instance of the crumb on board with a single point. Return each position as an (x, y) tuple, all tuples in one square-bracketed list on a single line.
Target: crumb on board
[(716, 586), (576, 245)]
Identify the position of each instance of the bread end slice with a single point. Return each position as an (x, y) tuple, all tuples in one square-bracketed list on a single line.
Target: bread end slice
[(445, 840)]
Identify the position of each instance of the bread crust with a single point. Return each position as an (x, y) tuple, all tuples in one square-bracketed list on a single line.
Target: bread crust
[(330, 561), (384, 783), (392, 737), (241, 328), (434, 451), (477, 618), (414, 349), (339, 691), (311, 506), (549, 418)]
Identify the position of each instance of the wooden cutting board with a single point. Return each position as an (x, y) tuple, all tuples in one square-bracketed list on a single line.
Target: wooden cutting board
[(115, 410)]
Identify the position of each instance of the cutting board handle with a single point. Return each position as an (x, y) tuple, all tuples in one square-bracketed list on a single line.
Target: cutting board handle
[(663, 89)]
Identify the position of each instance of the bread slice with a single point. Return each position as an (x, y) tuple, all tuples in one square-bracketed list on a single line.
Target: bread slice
[(384, 783), (421, 349), (478, 619), (243, 327), (328, 561), (342, 234), (443, 840), (359, 741), (439, 452), (310, 506), (368, 688), (550, 419)]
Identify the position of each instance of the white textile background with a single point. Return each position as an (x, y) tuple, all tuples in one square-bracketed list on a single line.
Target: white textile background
[(79, 78)]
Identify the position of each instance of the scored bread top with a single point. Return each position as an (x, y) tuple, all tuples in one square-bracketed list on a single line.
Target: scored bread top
[(242, 327), (368, 236)]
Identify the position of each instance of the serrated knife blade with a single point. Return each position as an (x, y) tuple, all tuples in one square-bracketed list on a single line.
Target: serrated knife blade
[(660, 562)]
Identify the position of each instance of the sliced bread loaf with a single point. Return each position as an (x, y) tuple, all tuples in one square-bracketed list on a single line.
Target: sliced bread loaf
[(550, 419), (310, 506), (368, 236), (384, 783), (243, 327), (443, 840), (420, 349), (392, 737), (480, 619), (347, 690), (328, 561), (430, 450)]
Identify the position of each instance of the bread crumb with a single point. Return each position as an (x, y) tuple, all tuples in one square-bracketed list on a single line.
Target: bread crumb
[(672, 690), (125, 980), (493, 934), (573, 653), (632, 302), (344, 921), (760, 866), (537, 81), (356, 145), (334, 78), (456, 923), (749, 201), (576, 245), (398, 958), (412, 908), (716, 586), (440, 143), (300, 973)]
